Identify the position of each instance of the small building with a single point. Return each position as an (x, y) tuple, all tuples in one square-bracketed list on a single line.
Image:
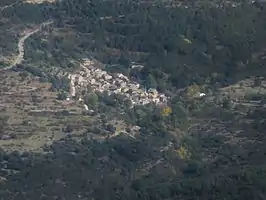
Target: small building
[(92, 81), (202, 94), (137, 66), (107, 77), (86, 107), (153, 91)]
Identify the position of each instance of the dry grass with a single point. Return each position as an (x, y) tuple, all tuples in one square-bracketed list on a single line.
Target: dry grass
[(31, 131), (243, 88), (28, 128)]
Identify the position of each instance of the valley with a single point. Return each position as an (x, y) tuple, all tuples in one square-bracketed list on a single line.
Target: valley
[(132, 100)]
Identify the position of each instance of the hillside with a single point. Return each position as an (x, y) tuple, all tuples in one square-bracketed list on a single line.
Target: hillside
[(132, 100)]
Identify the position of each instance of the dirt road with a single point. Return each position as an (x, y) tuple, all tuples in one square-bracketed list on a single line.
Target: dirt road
[(8, 6), (20, 45)]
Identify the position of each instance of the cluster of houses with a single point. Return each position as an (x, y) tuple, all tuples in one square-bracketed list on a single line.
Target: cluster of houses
[(99, 80)]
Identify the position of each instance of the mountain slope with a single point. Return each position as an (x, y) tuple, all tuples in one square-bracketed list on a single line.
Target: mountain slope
[(63, 137)]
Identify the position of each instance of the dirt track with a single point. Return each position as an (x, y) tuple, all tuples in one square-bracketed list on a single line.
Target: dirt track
[(8, 6), (19, 58)]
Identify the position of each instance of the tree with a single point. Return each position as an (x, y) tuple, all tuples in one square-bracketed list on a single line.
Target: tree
[(3, 122), (61, 95), (166, 111), (151, 82), (91, 99), (111, 128), (257, 82), (183, 152), (23, 75), (193, 90), (68, 129), (124, 60)]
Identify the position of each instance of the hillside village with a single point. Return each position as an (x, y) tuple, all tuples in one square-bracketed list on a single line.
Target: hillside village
[(100, 81)]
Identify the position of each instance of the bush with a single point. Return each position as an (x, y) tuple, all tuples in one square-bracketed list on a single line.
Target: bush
[(61, 95), (111, 128)]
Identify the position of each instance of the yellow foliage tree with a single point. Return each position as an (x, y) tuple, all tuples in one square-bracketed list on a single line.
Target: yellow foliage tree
[(193, 90), (166, 111), (184, 153)]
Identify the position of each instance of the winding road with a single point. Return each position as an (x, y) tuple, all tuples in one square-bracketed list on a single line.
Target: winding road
[(19, 58), (8, 6)]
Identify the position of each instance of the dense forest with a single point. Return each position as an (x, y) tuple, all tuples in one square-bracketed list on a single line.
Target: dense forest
[(200, 148), (190, 44)]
